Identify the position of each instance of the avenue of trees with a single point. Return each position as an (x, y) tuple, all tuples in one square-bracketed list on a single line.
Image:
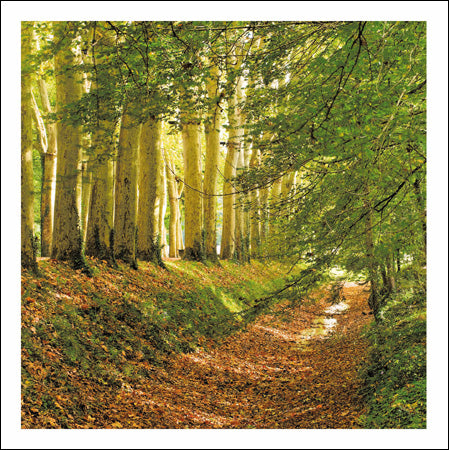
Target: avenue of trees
[(296, 140)]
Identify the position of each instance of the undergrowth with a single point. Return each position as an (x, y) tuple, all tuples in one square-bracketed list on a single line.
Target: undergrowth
[(82, 336), (395, 374)]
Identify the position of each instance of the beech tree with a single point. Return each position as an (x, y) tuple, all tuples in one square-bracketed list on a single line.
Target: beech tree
[(151, 164), (191, 143), (338, 105), (212, 132), (125, 221), (27, 202), (99, 227), (67, 241), (234, 146)]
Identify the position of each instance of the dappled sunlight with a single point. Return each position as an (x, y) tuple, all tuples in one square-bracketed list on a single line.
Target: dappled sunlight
[(284, 335)]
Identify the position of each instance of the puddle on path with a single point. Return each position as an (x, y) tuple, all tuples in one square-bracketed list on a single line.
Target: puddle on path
[(323, 326)]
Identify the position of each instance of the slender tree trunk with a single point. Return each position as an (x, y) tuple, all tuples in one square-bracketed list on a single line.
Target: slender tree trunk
[(254, 209), (274, 200), (234, 143), (48, 158), (239, 216), (125, 221), (174, 210), (193, 197), (67, 242), (422, 207), (162, 212), (264, 217), (150, 191), (180, 237), (374, 299), (27, 200), (49, 174), (212, 132)]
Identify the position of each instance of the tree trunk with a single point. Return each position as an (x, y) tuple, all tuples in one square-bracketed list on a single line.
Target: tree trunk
[(254, 210), (48, 159), (212, 132), (374, 299), (193, 207), (240, 254), (28, 255), (180, 237), (162, 211), (150, 191), (174, 210), (276, 191), (67, 243), (234, 144), (264, 195), (126, 191), (49, 175), (99, 193)]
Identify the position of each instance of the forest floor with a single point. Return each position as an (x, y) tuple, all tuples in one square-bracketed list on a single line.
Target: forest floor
[(142, 349), (291, 370)]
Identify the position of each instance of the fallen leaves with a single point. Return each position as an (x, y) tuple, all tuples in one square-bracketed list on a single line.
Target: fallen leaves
[(268, 376)]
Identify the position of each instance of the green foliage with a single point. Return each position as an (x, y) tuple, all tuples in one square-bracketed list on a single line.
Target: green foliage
[(395, 374)]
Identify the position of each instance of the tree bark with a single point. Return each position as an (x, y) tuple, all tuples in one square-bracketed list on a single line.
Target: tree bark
[(212, 134), (374, 299), (48, 159), (67, 242), (28, 255), (150, 191), (234, 144), (255, 218), (162, 211), (174, 210), (240, 236), (125, 222), (100, 191), (193, 190)]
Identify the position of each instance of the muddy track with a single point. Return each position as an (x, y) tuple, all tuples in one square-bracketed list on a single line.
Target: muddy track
[(295, 371)]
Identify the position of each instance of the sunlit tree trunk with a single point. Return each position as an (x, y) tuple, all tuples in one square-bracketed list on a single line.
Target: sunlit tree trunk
[(174, 210), (163, 211), (180, 237), (150, 191), (193, 189), (48, 162), (49, 174), (125, 221), (264, 195), (239, 216), (99, 192), (27, 201), (67, 243), (255, 224), (212, 132), (228, 233), (274, 199)]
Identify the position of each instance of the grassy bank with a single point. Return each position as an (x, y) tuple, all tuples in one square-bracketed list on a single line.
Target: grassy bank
[(395, 374), (84, 339)]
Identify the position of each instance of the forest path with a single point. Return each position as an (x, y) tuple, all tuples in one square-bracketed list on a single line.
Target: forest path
[(296, 371)]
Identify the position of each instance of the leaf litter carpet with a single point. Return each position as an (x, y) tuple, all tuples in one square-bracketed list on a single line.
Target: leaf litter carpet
[(292, 370)]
